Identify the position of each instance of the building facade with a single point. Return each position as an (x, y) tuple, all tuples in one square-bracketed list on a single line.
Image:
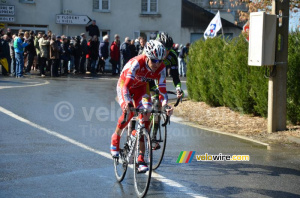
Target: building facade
[(127, 18)]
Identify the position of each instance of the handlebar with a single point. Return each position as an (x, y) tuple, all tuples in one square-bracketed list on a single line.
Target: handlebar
[(145, 111), (178, 99)]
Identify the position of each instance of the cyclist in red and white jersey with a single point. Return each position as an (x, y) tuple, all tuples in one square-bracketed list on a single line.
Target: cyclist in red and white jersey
[(133, 90)]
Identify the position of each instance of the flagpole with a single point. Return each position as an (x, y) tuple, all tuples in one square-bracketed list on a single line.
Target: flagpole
[(223, 33), (222, 26)]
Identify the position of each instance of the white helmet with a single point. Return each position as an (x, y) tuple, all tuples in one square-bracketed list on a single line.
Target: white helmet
[(155, 50)]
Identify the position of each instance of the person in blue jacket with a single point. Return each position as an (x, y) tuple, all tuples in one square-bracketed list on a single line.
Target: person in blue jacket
[(103, 53), (19, 46)]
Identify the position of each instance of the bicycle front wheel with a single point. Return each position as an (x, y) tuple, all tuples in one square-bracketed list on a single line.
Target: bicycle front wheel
[(142, 178), (158, 135), (121, 163)]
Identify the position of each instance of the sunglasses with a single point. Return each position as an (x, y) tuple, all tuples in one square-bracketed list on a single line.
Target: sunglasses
[(156, 61)]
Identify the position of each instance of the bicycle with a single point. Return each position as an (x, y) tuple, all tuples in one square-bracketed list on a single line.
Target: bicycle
[(128, 154), (158, 133)]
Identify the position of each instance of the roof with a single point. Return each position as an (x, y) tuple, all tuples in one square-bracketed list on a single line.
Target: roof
[(194, 16)]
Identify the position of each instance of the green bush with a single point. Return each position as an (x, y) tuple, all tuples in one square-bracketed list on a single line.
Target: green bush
[(218, 74), (293, 79)]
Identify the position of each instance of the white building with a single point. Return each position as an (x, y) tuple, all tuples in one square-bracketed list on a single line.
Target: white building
[(183, 20)]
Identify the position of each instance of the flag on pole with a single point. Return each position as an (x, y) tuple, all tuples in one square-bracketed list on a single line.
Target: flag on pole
[(214, 26)]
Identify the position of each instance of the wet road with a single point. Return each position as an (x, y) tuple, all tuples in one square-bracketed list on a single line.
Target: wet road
[(55, 138)]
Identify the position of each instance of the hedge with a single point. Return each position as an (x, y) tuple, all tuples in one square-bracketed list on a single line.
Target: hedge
[(218, 74)]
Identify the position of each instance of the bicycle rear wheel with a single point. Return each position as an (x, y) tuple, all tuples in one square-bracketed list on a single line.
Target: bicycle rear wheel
[(142, 179), (158, 135), (121, 163)]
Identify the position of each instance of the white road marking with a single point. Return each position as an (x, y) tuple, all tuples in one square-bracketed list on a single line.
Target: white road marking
[(39, 84), (157, 176)]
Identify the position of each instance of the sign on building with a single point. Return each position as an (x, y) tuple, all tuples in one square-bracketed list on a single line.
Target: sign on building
[(7, 19), (72, 19), (7, 10)]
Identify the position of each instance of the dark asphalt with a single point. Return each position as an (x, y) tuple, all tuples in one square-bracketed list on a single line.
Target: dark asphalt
[(34, 163)]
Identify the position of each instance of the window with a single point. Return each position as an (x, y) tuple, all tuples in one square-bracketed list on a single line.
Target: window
[(101, 5), (104, 4), (24, 27), (149, 6)]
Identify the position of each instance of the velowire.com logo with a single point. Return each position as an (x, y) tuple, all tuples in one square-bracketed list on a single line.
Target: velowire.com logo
[(187, 157)]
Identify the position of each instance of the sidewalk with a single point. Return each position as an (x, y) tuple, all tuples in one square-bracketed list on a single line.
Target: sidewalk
[(222, 119)]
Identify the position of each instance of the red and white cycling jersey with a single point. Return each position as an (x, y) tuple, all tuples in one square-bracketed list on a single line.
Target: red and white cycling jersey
[(136, 73)]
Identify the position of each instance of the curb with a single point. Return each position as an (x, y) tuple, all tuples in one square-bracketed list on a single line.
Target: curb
[(191, 124), (294, 139)]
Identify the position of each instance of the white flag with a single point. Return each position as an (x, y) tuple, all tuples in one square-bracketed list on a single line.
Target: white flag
[(214, 26)]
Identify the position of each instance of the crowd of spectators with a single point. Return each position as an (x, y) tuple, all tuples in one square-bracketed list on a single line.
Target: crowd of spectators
[(57, 55)]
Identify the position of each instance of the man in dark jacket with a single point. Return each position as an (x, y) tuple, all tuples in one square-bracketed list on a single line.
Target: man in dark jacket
[(84, 49), (93, 29), (30, 50), (77, 53), (125, 51), (5, 53), (103, 53), (54, 56), (66, 54)]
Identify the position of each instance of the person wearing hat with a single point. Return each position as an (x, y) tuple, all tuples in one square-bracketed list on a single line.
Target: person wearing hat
[(93, 29), (125, 51)]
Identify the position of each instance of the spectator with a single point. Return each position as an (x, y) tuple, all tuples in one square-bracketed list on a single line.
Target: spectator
[(37, 49), (31, 52), (26, 36), (77, 53), (93, 29), (5, 53), (72, 52), (59, 45), (132, 48), (88, 55), (44, 43), (125, 51), (94, 46), (103, 53), (25, 39), (137, 45), (142, 45), (54, 56), (19, 46), (49, 34), (115, 55), (66, 54), (84, 51), (12, 56), (176, 48), (181, 59)]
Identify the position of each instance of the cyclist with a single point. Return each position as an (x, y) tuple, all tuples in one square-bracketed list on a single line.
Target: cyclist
[(170, 61), (133, 81)]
